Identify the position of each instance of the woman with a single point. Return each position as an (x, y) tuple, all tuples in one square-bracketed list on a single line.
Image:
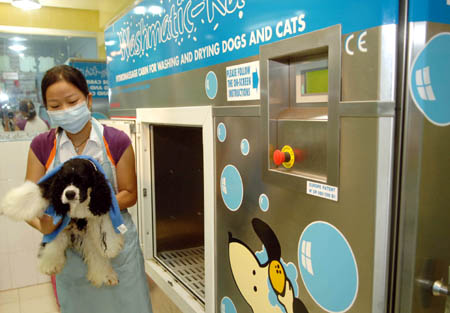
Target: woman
[(32, 123), (68, 103)]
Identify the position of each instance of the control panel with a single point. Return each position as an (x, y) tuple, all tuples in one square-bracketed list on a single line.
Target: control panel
[(301, 80)]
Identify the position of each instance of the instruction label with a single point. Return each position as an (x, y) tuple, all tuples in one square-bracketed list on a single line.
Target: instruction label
[(322, 190), (243, 82)]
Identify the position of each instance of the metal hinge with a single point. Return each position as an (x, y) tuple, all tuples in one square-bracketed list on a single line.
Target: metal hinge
[(144, 192)]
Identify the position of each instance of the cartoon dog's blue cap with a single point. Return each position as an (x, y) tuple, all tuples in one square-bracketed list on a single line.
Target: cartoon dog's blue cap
[(114, 212)]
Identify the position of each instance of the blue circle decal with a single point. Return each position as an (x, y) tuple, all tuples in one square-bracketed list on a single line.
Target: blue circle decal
[(211, 85), (264, 202), (221, 132), (231, 187), (428, 80), (328, 267), (227, 306), (245, 147)]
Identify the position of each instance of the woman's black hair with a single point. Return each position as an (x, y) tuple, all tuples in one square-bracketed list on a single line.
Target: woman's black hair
[(66, 73), (27, 106)]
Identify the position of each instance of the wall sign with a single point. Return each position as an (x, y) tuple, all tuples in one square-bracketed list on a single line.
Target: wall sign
[(96, 77), (161, 37), (322, 190), (243, 82)]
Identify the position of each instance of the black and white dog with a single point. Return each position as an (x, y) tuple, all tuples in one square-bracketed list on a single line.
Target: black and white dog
[(78, 189)]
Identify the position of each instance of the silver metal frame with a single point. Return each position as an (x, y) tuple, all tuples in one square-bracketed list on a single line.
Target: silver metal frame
[(383, 211), (328, 38), (179, 116)]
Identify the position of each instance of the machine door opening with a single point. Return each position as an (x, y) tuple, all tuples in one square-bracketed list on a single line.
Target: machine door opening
[(179, 204)]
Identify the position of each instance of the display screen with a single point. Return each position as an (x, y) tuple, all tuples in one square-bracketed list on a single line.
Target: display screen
[(315, 82)]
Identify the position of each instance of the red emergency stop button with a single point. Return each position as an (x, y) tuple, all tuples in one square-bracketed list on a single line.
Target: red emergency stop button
[(280, 157), (285, 157)]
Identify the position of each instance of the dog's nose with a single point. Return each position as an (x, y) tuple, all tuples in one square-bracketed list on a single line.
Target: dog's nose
[(70, 194)]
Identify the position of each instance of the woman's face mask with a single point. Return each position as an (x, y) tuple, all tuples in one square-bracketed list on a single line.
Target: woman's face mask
[(72, 119)]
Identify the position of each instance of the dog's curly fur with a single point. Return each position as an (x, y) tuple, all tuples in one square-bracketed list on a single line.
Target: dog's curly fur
[(81, 191)]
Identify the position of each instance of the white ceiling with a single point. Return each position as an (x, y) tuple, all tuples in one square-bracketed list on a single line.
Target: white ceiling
[(73, 4)]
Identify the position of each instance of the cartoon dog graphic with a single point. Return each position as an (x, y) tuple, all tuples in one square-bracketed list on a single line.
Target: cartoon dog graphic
[(254, 279)]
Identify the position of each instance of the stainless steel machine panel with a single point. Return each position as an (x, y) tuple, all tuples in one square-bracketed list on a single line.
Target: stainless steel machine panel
[(423, 265), (291, 211)]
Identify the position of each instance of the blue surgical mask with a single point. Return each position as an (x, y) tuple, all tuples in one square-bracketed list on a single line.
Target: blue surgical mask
[(72, 119)]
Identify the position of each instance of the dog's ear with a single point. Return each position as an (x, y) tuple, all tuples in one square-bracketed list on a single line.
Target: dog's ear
[(268, 238), (100, 202), (53, 189), (45, 187)]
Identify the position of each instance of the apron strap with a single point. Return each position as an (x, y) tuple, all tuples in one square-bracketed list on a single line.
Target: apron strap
[(52, 153), (104, 145)]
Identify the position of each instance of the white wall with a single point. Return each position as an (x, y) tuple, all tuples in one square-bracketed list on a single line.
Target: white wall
[(19, 242)]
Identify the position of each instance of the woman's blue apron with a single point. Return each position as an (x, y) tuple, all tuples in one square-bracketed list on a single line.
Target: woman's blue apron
[(77, 295)]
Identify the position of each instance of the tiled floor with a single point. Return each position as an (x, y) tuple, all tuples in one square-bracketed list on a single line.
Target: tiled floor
[(34, 299), (40, 299)]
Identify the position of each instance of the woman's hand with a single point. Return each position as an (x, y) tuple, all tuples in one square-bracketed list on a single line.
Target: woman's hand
[(44, 224)]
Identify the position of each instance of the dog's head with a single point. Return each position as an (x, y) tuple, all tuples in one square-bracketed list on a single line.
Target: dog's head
[(258, 277), (78, 189)]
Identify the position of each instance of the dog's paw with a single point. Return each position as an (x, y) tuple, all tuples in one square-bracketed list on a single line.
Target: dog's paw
[(24, 202), (99, 278), (51, 266)]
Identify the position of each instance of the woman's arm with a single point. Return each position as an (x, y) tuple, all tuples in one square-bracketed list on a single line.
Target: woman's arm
[(126, 179), (35, 170)]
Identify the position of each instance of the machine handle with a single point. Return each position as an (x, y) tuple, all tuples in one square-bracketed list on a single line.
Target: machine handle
[(440, 289)]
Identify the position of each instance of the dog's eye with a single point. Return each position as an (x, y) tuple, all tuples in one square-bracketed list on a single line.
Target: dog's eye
[(255, 289), (254, 272)]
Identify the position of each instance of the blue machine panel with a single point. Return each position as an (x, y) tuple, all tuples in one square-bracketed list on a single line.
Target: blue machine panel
[(159, 37), (437, 11)]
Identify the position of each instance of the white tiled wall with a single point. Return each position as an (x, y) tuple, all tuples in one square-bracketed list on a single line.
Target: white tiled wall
[(19, 242)]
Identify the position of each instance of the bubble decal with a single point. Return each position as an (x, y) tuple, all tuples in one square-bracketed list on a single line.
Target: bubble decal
[(328, 267)]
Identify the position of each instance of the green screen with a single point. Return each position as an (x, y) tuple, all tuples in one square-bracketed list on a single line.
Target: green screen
[(316, 81)]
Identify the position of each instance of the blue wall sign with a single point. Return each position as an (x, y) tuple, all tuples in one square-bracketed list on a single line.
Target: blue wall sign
[(96, 77), (328, 267), (161, 37), (231, 187), (429, 80)]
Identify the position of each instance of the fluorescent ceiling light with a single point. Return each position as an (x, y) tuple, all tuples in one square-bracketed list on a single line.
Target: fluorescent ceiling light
[(18, 39), (17, 48), (155, 9), (26, 4), (139, 10)]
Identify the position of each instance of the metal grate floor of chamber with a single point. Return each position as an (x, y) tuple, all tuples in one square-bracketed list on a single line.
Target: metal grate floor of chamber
[(189, 267)]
